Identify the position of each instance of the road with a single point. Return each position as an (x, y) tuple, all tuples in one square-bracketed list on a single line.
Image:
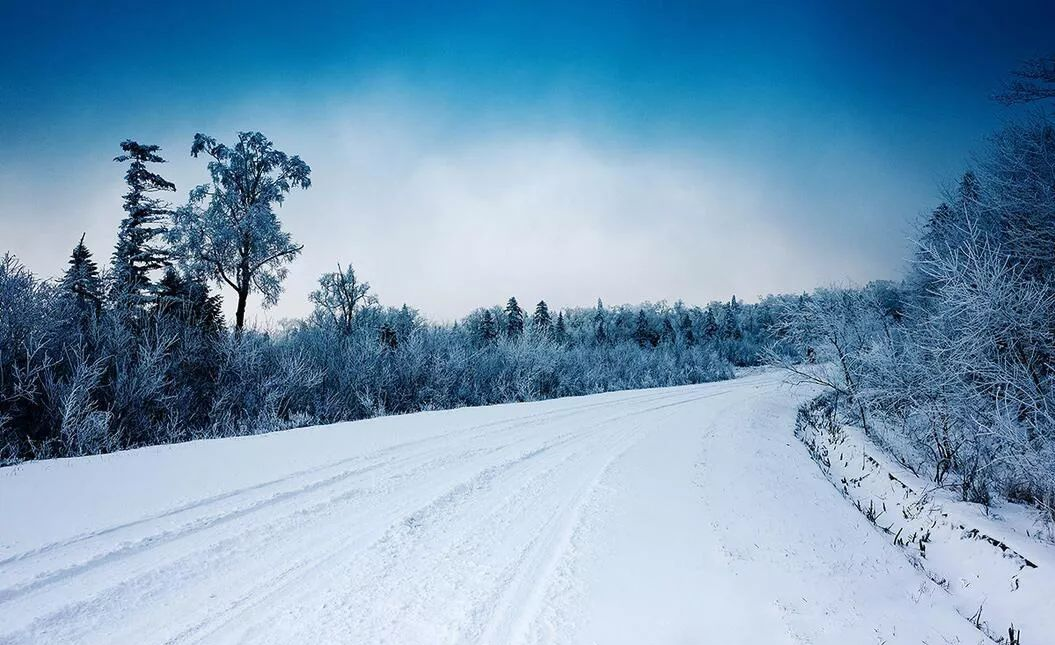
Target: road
[(677, 515)]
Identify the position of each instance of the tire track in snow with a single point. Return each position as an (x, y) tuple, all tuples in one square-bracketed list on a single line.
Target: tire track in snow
[(490, 429)]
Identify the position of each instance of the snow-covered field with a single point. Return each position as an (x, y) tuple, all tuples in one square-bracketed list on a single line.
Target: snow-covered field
[(679, 515)]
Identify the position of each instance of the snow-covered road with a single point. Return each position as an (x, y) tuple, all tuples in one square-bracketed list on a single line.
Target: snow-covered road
[(679, 515)]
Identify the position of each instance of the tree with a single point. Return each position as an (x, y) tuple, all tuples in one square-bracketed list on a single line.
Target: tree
[(643, 333), (188, 300), (1035, 81), (542, 320), (687, 334), (135, 254), (229, 230), (710, 326), (561, 331), (387, 337), (488, 332), (730, 326), (339, 294), (599, 332), (668, 331), (514, 319), (81, 282)]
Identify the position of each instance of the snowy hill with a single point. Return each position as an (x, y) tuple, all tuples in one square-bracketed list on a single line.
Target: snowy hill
[(678, 515)]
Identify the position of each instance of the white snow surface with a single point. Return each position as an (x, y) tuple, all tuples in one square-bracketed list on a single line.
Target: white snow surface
[(676, 515)]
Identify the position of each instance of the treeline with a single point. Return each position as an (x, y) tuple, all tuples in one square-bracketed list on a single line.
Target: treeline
[(952, 368), (139, 353)]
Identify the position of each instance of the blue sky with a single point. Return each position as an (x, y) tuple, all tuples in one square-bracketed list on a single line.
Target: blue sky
[(464, 152)]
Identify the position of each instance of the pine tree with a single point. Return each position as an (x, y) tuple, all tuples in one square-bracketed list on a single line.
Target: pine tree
[(81, 282), (135, 254), (668, 331), (687, 334), (561, 332), (599, 331), (710, 326), (514, 319), (188, 300), (730, 325), (387, 337), (542, 320), (488, 330), (643, 333)]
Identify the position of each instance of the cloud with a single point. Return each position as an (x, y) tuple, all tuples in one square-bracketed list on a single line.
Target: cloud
[(449, 218)]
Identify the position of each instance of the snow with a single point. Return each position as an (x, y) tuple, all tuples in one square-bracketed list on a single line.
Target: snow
[(675, 515), (995, 564)]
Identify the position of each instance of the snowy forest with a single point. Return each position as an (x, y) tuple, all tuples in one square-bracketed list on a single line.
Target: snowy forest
[(139, 353), (950, 368)]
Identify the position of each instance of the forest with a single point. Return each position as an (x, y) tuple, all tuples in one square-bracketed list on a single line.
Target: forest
[(949, 367), (139, 353)]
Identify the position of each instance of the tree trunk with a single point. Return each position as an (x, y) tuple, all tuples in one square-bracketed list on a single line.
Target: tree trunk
[(239, 316)]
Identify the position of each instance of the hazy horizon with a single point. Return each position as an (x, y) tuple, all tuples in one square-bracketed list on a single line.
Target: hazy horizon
[(464, 156)]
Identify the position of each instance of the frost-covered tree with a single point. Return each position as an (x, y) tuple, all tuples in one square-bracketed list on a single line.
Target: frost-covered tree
[(340, 296), (387, 336), (136, 254), (189, 300), (600, 333), (560, 331), (644, 335), (710, 326), (541, 319), (685, 326), (81, 283), (1034, 81), (229, 231), (514, 319), (488, 331)]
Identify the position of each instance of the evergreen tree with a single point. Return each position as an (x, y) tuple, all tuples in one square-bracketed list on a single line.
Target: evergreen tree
[(387, 337), (188, 300), (488, 330), (687, 334), (668, 331), (514, 319), (406, 320), (542, 320), (643, 333), (710, 326), (135, 254), (561, 332), (81, 282), (599, 331), (730, 326)]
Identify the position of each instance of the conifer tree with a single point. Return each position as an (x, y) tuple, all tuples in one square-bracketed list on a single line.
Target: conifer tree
[(542, 320), (599, 332), (643, 333), (687, 334), (488, 330), (188, 300), (668, 331), (730, 325), (514, 319), (710, 326), (387, 337), (81, 282), (136, 254), (561, 331)]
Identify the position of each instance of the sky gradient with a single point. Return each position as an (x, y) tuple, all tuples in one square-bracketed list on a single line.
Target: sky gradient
[(468, 152)]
